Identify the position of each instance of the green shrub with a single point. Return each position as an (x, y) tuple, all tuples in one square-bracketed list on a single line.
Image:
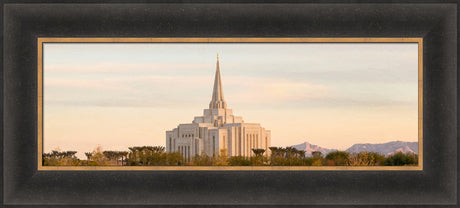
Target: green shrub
[(400, 159), (239, 161), (337, 158), (364, 159)]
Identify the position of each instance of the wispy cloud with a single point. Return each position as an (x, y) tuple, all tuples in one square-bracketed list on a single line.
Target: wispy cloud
[(167, 90), (174, 91), (295, 90), (135, 91), (252, 89), (121, 67)]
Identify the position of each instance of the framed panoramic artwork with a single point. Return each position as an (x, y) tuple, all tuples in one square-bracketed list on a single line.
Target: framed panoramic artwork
[(308, 104), (106, 92)]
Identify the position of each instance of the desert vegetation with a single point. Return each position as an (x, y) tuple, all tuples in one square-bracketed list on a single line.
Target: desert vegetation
[(289, 156)]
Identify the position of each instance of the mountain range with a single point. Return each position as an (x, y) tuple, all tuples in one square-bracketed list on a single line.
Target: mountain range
[(309, 148), (386, 149)]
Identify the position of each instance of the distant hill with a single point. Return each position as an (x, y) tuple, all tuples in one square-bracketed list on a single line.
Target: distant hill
[(388, 148), (309, 148)]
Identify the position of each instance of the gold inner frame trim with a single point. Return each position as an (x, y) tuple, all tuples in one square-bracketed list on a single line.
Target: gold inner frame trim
[(42, 40)]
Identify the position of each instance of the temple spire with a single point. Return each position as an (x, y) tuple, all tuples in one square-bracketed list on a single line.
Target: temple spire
[(217, 100)]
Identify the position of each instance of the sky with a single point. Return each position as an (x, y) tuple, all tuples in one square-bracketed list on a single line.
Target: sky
[(119, 95)]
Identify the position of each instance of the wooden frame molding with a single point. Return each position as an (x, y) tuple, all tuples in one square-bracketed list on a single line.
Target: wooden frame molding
[(42, 40)]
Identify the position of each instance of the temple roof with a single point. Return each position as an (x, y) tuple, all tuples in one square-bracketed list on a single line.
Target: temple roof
[(217, 100)]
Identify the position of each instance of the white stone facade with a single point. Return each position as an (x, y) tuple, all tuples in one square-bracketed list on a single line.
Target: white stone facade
[(217, 129)]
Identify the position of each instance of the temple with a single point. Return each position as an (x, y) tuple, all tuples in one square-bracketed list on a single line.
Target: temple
[(216, 130)]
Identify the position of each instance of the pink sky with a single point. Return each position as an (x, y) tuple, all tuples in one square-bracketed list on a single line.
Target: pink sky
[(332, 95)]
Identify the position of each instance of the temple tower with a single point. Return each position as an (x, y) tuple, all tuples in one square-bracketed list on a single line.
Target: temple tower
[(217, 100)]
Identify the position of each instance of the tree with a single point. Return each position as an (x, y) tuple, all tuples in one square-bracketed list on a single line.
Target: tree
[(174, 158), (301, 153), (258, 152), (239, 161), (317, 163), (157, 149), (364, 159), (88, 157), (274, 151), (133, 156), (98, 158), (157, 155), (289, 156), (222, 158), (400, 159), (258, 159), (317, 159), (379, 158), (339, 158), (294, 156), (278, 156), (57, 158), (202, 160), (124, 156), (142, 155), (151, 155), (110, 155)]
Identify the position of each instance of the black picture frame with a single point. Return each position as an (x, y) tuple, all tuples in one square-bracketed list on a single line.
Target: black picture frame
[(24, 22)]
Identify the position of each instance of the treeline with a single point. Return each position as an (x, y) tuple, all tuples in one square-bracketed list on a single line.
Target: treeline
[(289, 156), (57, 158)]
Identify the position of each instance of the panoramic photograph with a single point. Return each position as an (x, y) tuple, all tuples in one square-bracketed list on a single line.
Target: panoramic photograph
[(230, 104)]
